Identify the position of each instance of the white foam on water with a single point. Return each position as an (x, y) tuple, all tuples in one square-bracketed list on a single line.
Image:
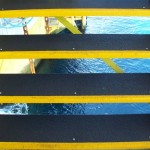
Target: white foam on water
[(17, 109)]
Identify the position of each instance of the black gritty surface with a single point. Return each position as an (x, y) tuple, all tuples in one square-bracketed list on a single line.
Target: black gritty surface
[(74, 42), (108, 128), (74, 84), (50, 4)]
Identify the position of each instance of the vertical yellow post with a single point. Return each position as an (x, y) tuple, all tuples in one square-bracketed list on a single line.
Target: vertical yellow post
[(84, 22), (32, 67)]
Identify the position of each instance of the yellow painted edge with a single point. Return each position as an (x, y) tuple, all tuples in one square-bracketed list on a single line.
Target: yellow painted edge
[(73, 12), (76, 99), (53, 54), (71, 146)]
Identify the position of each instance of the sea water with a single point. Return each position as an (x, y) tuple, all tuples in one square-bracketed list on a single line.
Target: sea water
[(95, 25)]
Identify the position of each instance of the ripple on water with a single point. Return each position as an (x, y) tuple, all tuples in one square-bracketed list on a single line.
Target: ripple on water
[(95, 25)]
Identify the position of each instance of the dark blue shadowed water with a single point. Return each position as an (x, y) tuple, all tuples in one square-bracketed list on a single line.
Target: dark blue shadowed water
[(99, 25)]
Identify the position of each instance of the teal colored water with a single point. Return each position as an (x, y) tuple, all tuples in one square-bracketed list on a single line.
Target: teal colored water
[(95, 25)]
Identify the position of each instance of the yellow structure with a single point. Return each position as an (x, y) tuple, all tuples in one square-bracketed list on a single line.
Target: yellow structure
[(76, 99), (74, 12), (37, 26)]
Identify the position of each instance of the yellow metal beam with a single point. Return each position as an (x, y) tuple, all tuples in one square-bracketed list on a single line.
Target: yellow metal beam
[(73, 146), (112, 65), (75, 30), (53, 54), (73, 12), (76, 99), (68, 25)]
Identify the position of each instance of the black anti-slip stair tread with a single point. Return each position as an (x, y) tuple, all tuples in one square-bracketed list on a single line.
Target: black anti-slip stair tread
[(52, 4), (69, 84), (74, 42), (101, 128)]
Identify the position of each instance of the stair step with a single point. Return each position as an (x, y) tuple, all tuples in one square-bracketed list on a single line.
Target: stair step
[(75, 46), (75, 88), (21, 8), (74, 132)]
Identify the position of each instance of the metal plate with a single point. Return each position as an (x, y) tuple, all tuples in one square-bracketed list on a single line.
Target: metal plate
[(107, 128), (74, 42), (49, 4), (75, 84)]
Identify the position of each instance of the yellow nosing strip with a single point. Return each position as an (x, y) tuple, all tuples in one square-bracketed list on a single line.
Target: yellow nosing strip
[(53, 54), (73, 12), (76, 99), (73, 146)]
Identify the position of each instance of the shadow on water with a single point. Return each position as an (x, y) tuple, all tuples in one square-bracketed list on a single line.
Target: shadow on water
[(57, 109), (82, 66)]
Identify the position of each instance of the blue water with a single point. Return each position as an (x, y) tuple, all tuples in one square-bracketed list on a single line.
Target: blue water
[(98, 25), (118, 25), (122, 25)]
